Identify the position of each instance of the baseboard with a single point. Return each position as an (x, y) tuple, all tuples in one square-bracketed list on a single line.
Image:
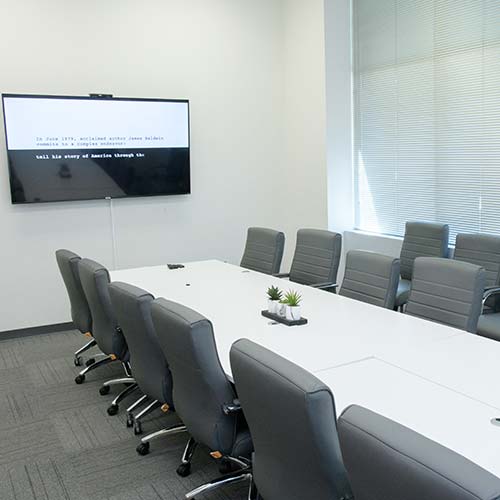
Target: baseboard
[(36, 330)]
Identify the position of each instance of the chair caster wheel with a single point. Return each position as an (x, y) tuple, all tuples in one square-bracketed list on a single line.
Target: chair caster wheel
[(130, 420), (184, 470), (77, 360), (143, 449), (137, 428), (112, 410), (89, 362), (79, 379), (104, 390)]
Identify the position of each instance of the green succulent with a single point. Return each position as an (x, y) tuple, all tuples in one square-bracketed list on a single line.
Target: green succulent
[(274, 293), (293, 298)]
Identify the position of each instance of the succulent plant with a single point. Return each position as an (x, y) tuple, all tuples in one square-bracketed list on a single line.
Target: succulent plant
[(293, 298), (274, 293)]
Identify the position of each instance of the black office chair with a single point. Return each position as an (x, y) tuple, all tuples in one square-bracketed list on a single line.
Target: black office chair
[(150, 370), (316, 259), (371, 277), (203, 396), (484, 250), (263, 250), (95, 280), (422, 239), (387, 461), (447, 291), (291, 416), (67, 262)]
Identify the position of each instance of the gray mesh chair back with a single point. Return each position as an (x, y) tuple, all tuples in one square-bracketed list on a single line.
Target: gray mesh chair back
[(317, 256), (68, 266), (263, 250), (200, 386), (371, 277), (95, 281), (422, 239), (447, 291), (132, 307), (482, 250), (387, 461), (291, 416)]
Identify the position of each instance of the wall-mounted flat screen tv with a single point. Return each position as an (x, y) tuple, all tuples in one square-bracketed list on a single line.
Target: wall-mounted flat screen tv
[(83, 148)]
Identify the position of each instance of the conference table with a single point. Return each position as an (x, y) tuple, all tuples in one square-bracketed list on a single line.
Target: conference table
[(436, 380)]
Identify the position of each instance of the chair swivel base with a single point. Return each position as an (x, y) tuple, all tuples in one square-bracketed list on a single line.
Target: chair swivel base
[(136, 420), (80, 378), (106, 387), (114, 407), (234, 477), (143, 447), (133, 406), (77, 359), (184, 468), (243, 473), (92, 360)]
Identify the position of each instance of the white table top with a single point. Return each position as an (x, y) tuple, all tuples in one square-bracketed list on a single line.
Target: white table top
[(340, 330), (467, 364), (435, 379), (449, 418)]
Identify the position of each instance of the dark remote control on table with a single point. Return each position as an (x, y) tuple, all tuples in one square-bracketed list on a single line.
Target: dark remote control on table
[(175, 266)]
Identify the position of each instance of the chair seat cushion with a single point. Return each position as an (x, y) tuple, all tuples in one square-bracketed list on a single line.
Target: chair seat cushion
[(492, 303), (403, 292), (489, 326), (243, 446), (120, 349)]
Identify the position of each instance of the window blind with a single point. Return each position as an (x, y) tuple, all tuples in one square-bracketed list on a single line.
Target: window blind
[(426, 83)]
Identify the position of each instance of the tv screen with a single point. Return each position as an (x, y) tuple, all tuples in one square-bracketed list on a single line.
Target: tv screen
[(83, 148)]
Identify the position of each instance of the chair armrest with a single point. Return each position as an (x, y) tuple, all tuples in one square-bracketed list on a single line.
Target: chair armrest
[(281, 275), (323, 286), (489, 292), (234, 407)]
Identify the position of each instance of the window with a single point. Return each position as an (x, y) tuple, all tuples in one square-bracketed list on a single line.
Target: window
[(427, 114)]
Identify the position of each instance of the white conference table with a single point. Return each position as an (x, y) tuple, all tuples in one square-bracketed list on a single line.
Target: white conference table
[(467, 364), (433, 378), (340, 330)]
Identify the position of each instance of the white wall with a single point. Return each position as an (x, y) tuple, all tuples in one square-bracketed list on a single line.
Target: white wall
[(339, 114), (254, 72), (387, 245), (304, 174)]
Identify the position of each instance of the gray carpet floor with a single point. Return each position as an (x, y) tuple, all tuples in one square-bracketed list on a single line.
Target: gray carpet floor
[(58, 443)]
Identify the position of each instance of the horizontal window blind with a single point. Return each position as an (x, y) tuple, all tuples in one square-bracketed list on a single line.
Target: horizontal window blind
[(427, 114)]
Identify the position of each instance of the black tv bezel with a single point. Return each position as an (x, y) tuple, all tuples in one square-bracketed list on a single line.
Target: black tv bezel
[(94, 97)]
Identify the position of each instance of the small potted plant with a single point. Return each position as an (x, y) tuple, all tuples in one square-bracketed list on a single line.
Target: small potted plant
[(281, 309), (274, 295), (293, 300)]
